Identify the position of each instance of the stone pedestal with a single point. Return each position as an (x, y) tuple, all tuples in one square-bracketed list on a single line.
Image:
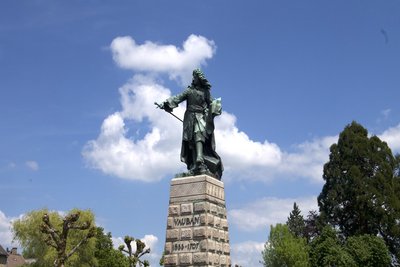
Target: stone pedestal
[(197, 226)]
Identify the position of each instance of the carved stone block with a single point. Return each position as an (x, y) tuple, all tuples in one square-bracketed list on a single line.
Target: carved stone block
[(224, 224), (200, 231), (186, 208), (185, 259), (173, 210), (197, 227), (201, 206), (170, 260), (223, 260), (217, 221), (186, 233), (200, 258), (226, 248), (168, 247), (172, 234)]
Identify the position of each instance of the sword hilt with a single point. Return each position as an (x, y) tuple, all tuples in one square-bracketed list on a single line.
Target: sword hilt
[(158, 105)]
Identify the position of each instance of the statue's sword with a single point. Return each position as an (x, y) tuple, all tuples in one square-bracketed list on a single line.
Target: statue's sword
[(160, 107)]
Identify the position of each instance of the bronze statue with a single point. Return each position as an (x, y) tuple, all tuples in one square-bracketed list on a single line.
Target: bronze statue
[(198, 144)]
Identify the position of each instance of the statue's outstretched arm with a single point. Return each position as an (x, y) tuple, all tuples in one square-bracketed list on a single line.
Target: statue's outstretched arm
[(174, 101)]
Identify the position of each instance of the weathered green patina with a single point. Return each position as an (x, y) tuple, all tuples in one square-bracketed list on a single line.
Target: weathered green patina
[(198, 142)]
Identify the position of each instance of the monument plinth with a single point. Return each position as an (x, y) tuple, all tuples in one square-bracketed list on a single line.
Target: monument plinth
[(197, 226)]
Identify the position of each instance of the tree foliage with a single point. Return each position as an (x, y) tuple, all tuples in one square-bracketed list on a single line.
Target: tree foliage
[(326, 250), (360, 194), (105, 253), (284, 249), (313, 226), (368, 250), (295, 222), (34, 231)]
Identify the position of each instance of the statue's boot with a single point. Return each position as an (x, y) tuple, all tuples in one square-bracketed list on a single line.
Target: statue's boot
[(201, 167), (199, 153)]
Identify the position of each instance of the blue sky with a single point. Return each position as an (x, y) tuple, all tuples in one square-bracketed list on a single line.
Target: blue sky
[(78, 127)]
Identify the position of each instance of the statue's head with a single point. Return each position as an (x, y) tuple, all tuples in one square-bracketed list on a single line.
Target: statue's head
[(200, 79)]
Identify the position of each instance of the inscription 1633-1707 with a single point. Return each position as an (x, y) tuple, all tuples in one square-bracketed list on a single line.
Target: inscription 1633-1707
[(185, 246)]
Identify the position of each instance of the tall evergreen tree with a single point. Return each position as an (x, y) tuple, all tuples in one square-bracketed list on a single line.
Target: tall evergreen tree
[(295, 222), (360, 194)]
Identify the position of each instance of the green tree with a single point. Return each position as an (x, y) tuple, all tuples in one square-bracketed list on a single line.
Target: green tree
[(360, 194), (283, 249), (368, 250), (295, 222), (105, 253), (313, 226), (326, 250), (53, 239)]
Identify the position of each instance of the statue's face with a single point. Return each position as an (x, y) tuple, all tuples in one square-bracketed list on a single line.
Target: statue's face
[(195, 79)]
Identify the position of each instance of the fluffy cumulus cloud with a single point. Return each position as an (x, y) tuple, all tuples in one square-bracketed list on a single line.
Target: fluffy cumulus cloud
[(247, 253), (153, 57), (265, 161), (392, 137), (268, 211), (150, 150), (6, 236), (149, 157), (247, 153), (117, 151)]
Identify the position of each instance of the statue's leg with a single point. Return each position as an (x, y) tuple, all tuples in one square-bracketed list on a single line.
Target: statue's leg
[(193, 156), (199, 153), (201, 167)]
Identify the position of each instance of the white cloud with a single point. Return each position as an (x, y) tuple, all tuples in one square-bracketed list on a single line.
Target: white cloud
[(6, 236), (151, 242), (269, 211), (155, 153), (153, 57), (247, 254), (118, 152), (309, 159), (265, 161), (150, 158), (392, 137), (245, 153), (33, 165)]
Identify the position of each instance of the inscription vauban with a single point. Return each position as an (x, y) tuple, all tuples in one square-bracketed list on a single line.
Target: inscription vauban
[(187, 220)]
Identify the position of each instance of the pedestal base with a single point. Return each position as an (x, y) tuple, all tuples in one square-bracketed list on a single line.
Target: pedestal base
[(197, 226)]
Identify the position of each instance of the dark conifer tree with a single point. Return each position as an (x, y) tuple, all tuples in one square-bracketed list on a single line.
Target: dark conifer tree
[(361, 190), (295, 222), (313, 225)]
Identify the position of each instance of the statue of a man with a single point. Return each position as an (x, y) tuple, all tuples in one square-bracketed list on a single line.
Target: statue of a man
[(198, 144)]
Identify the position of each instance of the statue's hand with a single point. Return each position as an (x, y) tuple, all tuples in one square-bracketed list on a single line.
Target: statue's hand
[(166, 107), (163, 105)]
